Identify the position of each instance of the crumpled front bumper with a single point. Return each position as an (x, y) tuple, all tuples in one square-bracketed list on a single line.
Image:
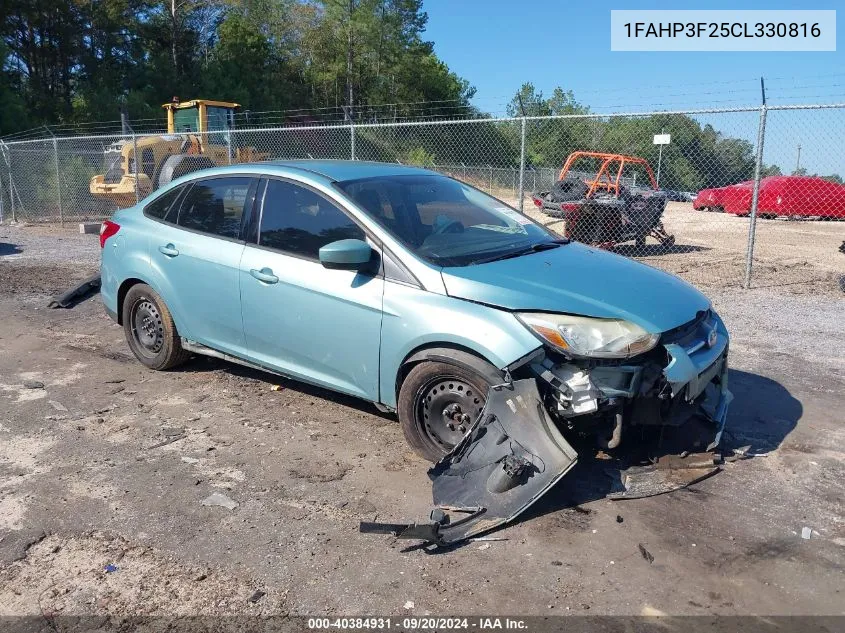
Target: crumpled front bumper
[(689, 379), (512, 455), (516, 450), (701, 368)]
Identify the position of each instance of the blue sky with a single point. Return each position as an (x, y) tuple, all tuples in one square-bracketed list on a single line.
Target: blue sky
[(499, 44)]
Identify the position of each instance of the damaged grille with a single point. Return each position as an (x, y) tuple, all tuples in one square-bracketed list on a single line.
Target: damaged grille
[(690, 333)]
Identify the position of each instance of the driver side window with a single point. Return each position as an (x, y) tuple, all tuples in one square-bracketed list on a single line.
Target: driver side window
[(299, 221)]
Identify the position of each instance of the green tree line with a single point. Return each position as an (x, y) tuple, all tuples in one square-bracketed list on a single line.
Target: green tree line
[(86, 60), (698, 157), (74, 61)]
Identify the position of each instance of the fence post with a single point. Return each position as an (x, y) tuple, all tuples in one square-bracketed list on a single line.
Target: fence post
[(8, 158), (135, 166), (522, 164), (352, 139), (58, 180), (229, 144), (752, 225), (491, 179)]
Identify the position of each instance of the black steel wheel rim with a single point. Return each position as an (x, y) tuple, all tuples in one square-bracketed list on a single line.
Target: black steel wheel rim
[(147, 328), (446, 408)]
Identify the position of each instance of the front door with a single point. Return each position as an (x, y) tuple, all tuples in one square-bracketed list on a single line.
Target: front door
[(300, 318)]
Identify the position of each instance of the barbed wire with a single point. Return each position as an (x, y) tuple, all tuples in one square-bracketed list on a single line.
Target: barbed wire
[(783, 90)]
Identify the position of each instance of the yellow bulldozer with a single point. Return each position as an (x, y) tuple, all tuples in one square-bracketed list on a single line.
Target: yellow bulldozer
[(198, 136)]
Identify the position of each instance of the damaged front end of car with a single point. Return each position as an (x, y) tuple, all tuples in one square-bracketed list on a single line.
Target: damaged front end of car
[(604, 379), (683, 374)]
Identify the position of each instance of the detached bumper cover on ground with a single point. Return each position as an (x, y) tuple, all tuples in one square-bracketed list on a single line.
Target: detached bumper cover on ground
[(72, 296), (512, 456)]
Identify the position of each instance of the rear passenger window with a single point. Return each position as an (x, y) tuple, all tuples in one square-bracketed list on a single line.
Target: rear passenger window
[(215, 206), (299, 221), (159, 207)]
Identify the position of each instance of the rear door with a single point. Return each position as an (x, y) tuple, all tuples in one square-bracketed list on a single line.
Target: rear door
[(300, 318), (197, 251)]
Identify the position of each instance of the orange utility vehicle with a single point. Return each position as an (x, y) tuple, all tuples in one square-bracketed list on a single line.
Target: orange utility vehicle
[(599, 209)]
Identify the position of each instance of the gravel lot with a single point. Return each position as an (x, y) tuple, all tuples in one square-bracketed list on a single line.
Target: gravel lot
[(801, 257), (91, 475)]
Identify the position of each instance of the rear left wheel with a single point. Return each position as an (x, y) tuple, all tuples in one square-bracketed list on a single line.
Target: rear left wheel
[(150, 330)]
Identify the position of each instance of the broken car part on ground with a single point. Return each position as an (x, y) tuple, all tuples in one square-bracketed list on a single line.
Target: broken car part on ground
[(516, 450), (74, 295)]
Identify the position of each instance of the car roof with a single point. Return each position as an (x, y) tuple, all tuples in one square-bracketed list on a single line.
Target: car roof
[(341, 170), (325, 171)]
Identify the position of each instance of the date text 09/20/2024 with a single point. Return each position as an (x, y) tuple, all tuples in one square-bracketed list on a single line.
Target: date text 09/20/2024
[(422, 623)]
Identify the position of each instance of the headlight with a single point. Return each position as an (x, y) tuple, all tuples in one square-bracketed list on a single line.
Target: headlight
[(586, 336)]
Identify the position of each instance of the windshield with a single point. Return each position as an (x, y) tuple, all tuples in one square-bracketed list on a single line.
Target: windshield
[(445, 221), (112, 159), (186, 120)]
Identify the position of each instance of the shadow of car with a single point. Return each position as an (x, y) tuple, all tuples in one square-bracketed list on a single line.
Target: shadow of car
[(7, 248), (763, 414)]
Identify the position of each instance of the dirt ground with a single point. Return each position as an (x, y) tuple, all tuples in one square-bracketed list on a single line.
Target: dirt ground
[(104, 466), (710, 250)]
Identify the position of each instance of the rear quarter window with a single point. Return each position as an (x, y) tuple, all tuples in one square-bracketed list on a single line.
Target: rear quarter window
[(215, 206), (159, 207)]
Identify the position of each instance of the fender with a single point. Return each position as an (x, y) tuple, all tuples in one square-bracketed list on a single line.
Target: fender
[(128, 257), (442, 355), (136, 265), (495, 335), (158, 281)]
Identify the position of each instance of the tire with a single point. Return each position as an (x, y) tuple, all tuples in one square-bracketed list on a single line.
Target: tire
[(433, 387), (150, 330), (568, 190)]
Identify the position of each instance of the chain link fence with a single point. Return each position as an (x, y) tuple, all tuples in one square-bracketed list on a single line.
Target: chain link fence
[(709, 206)]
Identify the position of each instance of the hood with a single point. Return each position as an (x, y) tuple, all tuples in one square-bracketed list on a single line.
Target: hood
[(577, 279)]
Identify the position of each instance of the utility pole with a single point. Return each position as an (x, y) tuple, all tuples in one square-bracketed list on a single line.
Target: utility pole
[(174, 32), (125, 128), (798, 161)]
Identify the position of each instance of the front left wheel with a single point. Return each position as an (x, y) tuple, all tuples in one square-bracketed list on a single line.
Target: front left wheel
[(150, 330), (439, 402)]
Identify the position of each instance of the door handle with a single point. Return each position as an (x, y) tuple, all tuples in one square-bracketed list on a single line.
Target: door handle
[(168, 250), (265, 274)]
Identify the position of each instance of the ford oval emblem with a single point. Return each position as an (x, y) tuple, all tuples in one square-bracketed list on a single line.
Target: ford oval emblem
[(711, 337)]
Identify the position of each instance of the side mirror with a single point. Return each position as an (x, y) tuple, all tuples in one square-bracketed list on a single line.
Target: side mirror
[(346, 254)]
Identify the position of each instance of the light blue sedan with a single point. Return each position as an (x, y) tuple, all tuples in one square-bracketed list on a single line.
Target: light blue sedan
[(416, 292)]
